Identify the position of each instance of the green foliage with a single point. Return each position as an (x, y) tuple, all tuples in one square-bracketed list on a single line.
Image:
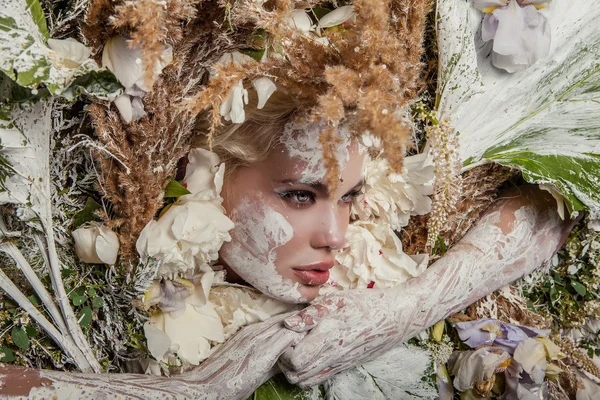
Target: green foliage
[(88, 213), (84, 316), (175, 189), (278, 388), (569, 294), (19, 337), (6, 355)]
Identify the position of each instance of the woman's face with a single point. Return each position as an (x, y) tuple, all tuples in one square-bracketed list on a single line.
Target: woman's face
[(287, 224)]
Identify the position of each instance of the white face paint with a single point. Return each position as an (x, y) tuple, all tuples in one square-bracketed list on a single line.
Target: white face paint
[(302, 143), (259, 232)]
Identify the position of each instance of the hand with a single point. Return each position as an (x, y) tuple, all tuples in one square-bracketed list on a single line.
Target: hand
[(246, 360), (516, 235), (346, 329)]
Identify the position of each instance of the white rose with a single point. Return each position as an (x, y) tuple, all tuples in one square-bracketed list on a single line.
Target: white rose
[(96, 244), (203, 172), (190, 230)]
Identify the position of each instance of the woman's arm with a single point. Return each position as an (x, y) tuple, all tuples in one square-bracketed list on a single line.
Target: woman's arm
[(236, 369), (517, 234)]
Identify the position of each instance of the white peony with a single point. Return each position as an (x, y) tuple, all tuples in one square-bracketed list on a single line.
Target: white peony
[(392, 197), (96, 244), (189, 330), (373, 258), (241, 306), (192, 230), (521, 34)]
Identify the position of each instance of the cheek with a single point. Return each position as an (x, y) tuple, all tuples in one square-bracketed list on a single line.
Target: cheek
[(261, 236)]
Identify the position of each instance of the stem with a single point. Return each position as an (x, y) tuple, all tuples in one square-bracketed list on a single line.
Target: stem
[(63, 301), (38, 286), (63, 341)]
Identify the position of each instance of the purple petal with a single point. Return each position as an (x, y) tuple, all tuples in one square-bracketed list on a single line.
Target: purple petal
[(472, 332)]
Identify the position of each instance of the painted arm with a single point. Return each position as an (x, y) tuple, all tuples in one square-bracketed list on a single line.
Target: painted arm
[(235, 370), (517, 234)]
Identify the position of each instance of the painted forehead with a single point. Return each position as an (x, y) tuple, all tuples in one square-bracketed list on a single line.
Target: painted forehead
[(301, 141)]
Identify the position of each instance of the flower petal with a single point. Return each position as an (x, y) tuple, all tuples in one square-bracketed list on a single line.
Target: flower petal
[(264, 88), (123, 61), (157, 341), (336, 17), (70, 50), (107, 246), (301, 21), (85, 245), (531, 355), (123, 103), (489, 5)]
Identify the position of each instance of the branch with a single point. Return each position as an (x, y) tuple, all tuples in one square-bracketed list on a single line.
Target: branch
[(63, 341)]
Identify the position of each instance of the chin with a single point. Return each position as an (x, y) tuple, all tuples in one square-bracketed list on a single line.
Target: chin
[(309, 293)]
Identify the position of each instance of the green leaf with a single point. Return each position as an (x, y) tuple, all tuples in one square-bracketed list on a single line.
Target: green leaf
[(88, 213), (91, 291), (97, 302), (31, 331), (175, 189), (65, 273), (85, 316), (278, 388), (20, 338), (579, 288), (6, 354), (256, 54), (543, 120), (26, 58), (37, 13), (33, 299), (99, 84), (79, 300)]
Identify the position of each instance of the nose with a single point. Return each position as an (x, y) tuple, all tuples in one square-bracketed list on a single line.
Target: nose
[(330, 228)]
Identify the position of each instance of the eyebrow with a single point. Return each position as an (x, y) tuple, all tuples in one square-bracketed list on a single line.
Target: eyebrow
[(320, 186)]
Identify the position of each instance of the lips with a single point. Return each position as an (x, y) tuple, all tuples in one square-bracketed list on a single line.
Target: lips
[(314, 274)]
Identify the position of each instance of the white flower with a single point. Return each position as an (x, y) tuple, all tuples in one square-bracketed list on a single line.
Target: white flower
[(521, 35), (192, 230), (189, 331), (96, 244), (373, 257), (478, 365), (126, 64), (70, 52), (393, 197), (240, 306), (301, 21), (336, 17), (232, 109), (264, 88), (204, 174), (131, 108), (531, 355)]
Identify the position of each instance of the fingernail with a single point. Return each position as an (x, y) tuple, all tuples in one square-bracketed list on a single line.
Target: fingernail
[(293, 322)]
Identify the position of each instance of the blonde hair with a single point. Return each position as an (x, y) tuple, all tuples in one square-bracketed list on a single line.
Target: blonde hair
[(240, 145)]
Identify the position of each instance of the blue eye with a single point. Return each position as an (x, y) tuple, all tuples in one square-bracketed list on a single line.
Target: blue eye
[(298, 197), (349, 197)]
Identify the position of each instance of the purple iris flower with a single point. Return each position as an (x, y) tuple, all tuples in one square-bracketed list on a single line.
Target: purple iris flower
[(490, 331)]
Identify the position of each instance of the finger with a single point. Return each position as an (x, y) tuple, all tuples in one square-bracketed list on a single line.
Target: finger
[(308, 318)]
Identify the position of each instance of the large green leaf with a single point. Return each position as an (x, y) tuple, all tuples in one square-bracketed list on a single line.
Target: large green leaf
[(24, 55), (543, 120), (278, 388)]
